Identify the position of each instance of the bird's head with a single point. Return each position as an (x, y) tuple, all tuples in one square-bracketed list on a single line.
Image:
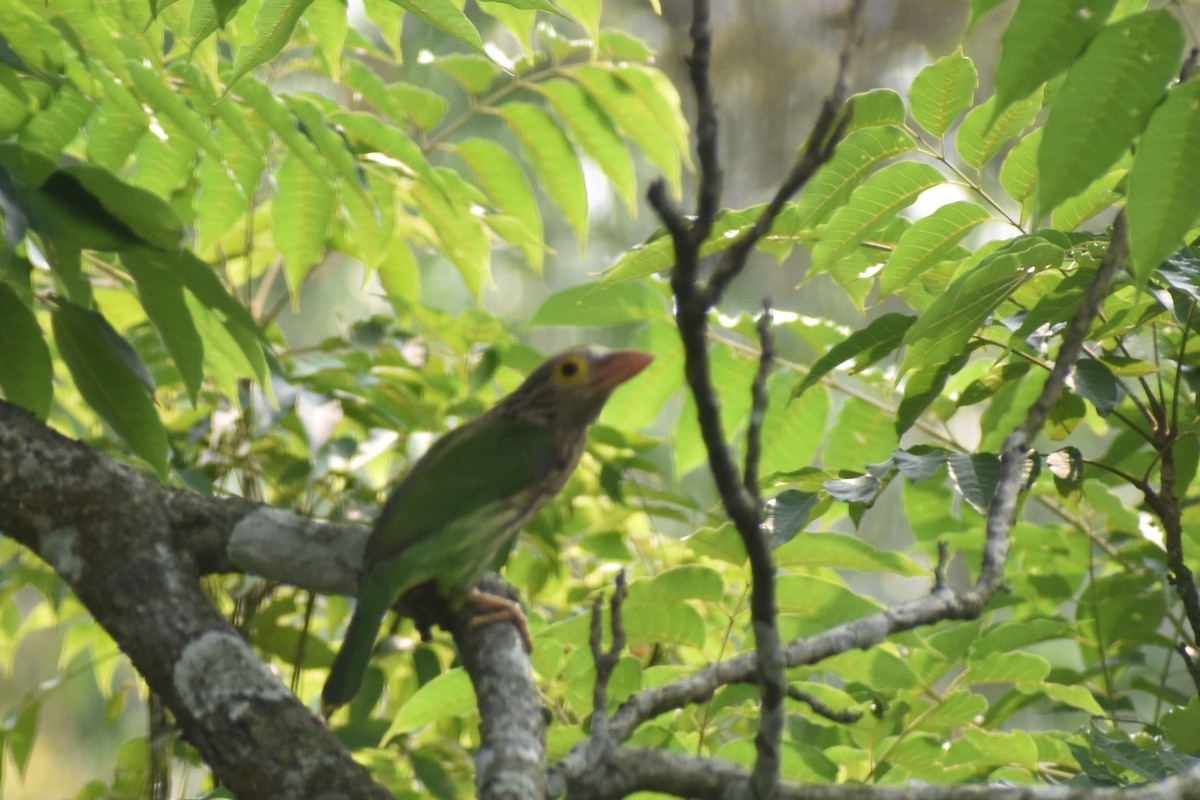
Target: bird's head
[(569, 389)]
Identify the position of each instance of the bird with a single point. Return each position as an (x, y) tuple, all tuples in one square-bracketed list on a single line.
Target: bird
[(464, 501)]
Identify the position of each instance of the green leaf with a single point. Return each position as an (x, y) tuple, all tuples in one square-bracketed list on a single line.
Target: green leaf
[(1074, 696), (328, 25), (1095, 383), (585, 12), (53, 129), (389, 144), (1066, 466), (677, 584), (553, 159), (975, 476), (461, 234), (446, 17), (930, 240), (872, 206), (1105, 102), (1065, 416), (948, 324), (1163, 203), (272, 111), (793, 428), (979, 8), (821, 600), (862, 434), (840, 551), (22, 734), (1098, 197), (161, 293), (983, 133), (658, 93), (920, 462), (942, 91), (994, 380), (1007, 668), (475, 73), (924, 386), (958, 707), (657, 624), (503, 179), (787, 513), (1019, 173), (273, 26), (591, 127), (882, 336), (313, 116), (878, 107), (105, 369), (658, 253), (448, 695), (26, 372), (301, 212), (202, 282), (634, 117), (56, 205), (860, 489), (1010, 636), (597, 305), (856, 155), (171, 103), (1043, 38)]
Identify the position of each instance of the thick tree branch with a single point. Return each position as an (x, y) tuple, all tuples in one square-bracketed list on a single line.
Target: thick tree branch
[(110, 533), (683, 775), (133, 551)]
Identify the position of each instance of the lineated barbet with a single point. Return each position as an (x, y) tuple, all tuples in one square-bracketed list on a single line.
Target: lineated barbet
[(465, 500)]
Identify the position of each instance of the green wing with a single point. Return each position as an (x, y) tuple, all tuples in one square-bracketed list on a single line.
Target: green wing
[(445, 521), (485, 462)]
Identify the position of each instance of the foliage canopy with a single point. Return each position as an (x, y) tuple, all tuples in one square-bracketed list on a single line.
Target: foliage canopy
[(183, 182)]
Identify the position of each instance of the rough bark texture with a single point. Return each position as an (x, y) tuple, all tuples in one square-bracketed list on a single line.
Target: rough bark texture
[(133, 552)]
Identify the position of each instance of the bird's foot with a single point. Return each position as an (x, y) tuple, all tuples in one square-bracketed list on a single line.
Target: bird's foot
[(500, 609)]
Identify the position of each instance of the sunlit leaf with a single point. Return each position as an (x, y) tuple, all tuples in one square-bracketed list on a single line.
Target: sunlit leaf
[(446, 17), (1042, 39), (273, 25), (553, 160), (942, 91), (1105, 102), (871, 206), (1163, 203), (929, 240), (854, 158), (593, 304)]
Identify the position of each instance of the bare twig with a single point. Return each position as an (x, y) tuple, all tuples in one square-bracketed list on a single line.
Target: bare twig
[(693, 303), (606, 660), (758, 403), (846, 717)]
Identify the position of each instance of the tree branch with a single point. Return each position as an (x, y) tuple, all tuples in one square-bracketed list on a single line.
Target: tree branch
[(693, 301), (133, 551), (111, 534)]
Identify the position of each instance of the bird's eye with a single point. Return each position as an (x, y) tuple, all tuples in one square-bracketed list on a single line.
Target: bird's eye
[(572, 371)]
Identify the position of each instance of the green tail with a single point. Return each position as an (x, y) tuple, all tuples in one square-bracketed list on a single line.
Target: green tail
[(350, 665)]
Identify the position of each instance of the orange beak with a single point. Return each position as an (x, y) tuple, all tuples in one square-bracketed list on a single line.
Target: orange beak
[(616, 368)]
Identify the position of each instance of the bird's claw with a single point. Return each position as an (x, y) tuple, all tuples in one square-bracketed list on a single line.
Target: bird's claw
[(500, 609)]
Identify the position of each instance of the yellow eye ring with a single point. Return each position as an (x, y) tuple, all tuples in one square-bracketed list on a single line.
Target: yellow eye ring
[(571, 371)]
